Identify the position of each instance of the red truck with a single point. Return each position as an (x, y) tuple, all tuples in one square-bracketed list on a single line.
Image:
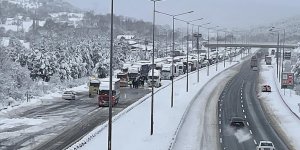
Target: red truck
[(103, 98)]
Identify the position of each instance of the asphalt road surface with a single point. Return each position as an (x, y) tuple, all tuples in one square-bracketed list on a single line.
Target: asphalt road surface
[(65, 121), (239, 99)]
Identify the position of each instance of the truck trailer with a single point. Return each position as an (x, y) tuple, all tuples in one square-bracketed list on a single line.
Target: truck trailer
[(103, 98)]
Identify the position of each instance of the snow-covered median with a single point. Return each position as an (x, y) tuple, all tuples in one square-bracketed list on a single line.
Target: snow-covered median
[(132, 130)]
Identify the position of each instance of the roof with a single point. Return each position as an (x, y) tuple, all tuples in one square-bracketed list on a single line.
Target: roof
[(131, 42), (126, 37), (156, 72), (107, 80), (105, 83)]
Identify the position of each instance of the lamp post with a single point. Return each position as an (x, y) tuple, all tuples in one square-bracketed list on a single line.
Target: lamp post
[(277, 50), (187, 51), (208, 48), (283, 44), (153, 47), (199, 36), (110, 76), (173, 48), (224, 55), (217, 59)]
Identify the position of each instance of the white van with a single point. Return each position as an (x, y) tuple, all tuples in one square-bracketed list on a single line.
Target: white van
[(156, 78)]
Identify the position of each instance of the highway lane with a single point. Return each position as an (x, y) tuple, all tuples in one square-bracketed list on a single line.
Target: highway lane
[(239, 99), (64, 121)]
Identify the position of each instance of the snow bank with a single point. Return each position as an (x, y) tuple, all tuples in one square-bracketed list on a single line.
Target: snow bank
[(284, 107)]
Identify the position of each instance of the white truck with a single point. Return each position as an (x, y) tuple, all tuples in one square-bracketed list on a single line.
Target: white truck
[(156, 78), (166, 72), (133, 73), (268, 60), (180, 67)]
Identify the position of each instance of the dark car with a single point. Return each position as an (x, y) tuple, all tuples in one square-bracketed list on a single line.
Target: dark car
[(237, 122)]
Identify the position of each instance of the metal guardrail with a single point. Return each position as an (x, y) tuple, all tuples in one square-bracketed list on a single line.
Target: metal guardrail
[(284, 100)]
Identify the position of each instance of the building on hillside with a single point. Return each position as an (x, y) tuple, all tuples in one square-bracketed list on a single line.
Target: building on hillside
[(125, 37)]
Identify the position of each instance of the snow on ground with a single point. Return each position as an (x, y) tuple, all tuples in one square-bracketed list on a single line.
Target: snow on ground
[(25, 44), (39, 100), (26, 26), (283, 115), (199, 130), (131, 128), (4, 41)]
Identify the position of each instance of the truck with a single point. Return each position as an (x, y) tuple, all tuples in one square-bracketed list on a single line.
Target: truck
[(93, 85), (156, 78), (166, 72), (123, 76), (268, 60), (133, 73), (103, 92), (144, 69), (180, 67), (253, 62)]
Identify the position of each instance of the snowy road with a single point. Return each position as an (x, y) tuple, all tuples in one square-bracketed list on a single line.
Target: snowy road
[(239, 100), (199, 130), (56, 123)]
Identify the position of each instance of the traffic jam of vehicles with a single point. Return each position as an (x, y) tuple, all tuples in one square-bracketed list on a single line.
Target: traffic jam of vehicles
[(138, 74)]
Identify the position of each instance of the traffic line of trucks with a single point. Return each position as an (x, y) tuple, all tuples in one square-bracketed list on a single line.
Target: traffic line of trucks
[(141, 72)]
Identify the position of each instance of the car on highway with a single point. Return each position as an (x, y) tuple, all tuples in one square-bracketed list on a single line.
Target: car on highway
[(71, 95), (237, 122), (255, 68), (265, 145), (266, 88)]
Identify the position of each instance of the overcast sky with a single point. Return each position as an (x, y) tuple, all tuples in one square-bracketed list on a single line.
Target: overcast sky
[(225, 13)]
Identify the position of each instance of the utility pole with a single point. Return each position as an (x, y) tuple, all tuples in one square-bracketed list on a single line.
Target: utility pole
[(110, 75), (208, 52)]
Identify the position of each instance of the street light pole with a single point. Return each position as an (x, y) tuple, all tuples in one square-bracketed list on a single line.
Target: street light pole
[(208, 48), (278, 71), (173, 49), (283, 51), (225, 50), (208, 52), (217, 59), (153, 47), (187, 58), (277, 50), (198, 49), (198, 54), (187, 52), (110, 76)]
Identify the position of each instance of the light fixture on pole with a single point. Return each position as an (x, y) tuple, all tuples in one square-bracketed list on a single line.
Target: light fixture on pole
[(277, 50), (187, 51), (208, 48), (173, 48), (283, 46), (199, 49)]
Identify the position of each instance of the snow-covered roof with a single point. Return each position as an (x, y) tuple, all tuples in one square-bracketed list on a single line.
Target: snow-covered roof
[(131, 42), (156, 73), (4, 41), (142, 47), (126, 37), (105, 83)]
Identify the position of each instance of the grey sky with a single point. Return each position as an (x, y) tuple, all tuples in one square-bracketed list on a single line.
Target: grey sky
[(225, 13)]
